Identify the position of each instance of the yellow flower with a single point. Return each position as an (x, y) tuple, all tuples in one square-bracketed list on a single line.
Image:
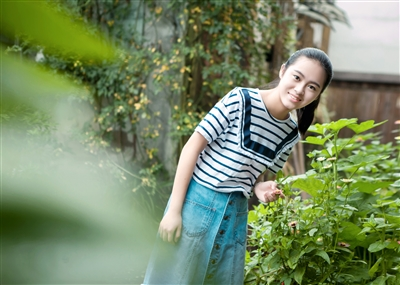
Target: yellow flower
[(158, 10)]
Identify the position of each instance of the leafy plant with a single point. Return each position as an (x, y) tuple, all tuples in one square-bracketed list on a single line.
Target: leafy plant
[(347, 232), (47, 198), (160, 85)]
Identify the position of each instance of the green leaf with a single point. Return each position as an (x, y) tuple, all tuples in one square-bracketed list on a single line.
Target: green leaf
[(293, 258), (393, 219), (38, 87), (310, 185), (312, 232), (324, 255), (299, 273), (381, 280), (252, 217), (393, 245), (396, 183), (51, 29), (369, 187), (347, 207), (351, 232), (365, 230), (317, 140), (364, 126), (286, 280), (377, 246), (317, 128), (375, 267), (273, 261), (340, 124), (362, 160)]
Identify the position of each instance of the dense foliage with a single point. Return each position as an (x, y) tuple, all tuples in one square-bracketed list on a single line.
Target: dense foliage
[(175, 60), (348, 231)]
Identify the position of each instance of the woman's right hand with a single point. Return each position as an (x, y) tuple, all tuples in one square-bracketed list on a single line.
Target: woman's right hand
[(171, 227)]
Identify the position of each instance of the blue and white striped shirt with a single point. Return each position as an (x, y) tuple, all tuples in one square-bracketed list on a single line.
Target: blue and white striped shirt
[(243, 141)]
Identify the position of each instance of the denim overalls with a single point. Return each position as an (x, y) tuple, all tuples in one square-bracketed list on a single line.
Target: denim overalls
[(212, 247)]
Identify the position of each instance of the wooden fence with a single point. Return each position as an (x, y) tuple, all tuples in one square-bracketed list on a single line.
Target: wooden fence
[(366, 97)]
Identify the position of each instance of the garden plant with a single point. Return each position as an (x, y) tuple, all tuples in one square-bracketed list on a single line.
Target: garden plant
[(347, 231)]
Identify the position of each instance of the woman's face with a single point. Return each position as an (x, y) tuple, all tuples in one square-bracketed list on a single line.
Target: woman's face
[(301, 83)]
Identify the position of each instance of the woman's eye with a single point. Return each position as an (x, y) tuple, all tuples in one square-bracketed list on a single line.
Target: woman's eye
[(296, 77), (312, 87)]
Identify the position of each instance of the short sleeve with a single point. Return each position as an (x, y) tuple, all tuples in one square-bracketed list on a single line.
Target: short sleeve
[(278, 164), (220, 116)]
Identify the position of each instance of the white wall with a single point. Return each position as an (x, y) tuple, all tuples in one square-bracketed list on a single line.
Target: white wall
[(371, 45)]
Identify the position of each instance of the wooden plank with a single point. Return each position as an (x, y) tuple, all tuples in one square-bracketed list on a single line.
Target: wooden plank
[(366, 101)]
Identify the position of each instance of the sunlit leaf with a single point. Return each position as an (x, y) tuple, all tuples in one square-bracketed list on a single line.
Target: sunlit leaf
[(377, 246), (375, 267), (51, 29), (393, 219), (324, 255), (25, 83), (317, 140), (312, 231), (310, 185), (317, 128), (396, 183), (364, 126), (252, 217), (361, 160), (369, 187), (340, 124)]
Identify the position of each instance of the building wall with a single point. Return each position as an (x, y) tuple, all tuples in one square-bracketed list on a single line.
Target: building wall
[(371, 44), (366, 101), (366, 61)]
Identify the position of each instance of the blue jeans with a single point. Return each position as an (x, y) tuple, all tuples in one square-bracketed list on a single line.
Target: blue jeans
[(212, 247)]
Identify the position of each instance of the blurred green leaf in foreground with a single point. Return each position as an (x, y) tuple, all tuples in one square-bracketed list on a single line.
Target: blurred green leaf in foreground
[(61, 222), (50, 28)]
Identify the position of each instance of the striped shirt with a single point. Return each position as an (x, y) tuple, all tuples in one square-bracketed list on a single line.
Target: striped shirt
[(243, 141)]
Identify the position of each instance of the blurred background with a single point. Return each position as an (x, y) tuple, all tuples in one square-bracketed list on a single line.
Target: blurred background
[(99, 97)]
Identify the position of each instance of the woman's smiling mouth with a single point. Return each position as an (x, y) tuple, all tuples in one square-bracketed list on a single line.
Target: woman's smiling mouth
[(294, 98)]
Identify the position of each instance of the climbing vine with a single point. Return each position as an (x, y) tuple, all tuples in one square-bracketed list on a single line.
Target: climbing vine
[(175, 60)]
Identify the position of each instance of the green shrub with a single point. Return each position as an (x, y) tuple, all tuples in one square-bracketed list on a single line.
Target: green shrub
[(347, 231)]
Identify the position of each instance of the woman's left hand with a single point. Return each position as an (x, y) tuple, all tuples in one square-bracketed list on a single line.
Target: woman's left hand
[(268, 191)]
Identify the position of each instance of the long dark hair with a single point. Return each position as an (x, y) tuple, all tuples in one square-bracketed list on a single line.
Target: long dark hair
[(305, 115)]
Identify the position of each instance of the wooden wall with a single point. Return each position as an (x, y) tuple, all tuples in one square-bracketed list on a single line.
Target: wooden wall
[(366, 97)]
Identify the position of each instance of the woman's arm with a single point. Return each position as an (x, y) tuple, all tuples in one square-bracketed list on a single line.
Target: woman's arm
[(171, 224)]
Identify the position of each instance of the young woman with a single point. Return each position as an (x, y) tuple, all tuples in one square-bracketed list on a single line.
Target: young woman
[(202, 236)]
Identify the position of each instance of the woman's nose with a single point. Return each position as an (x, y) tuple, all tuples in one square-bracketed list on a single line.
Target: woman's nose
[(299, 90)]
